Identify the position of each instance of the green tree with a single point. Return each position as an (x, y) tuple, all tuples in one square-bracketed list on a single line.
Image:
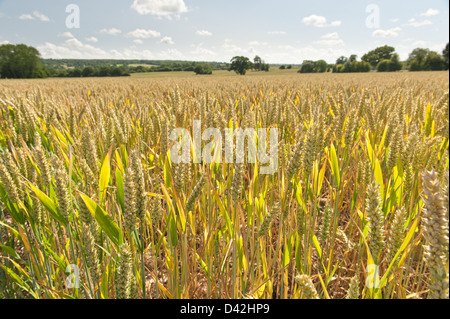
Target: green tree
[(353, 57), (240, 64), (341, 60), (20, 61), (383, 66), (415, 66), (445, 56), (283, 67), (258, 63), (434, 62), (307, 67), (395, 64), (88, 71), (374, 57), (203, 69), (419, 55), (320, 66)]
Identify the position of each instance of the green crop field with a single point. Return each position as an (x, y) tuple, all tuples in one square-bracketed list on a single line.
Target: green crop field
[(92, 204)]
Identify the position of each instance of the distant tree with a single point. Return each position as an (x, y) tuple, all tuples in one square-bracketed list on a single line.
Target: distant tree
[(415, 66), (434, 62), (320, 66), (446, 57), (307, 67), (395, 64), (353, 57), (374, 57), (419, 55), (338, 68), (20, 61), (258, 63), (383, 66), (88, 71), (283, 67), (289, 67), (103, 71), (265, 67), (421, 59), (341, 60), (203, 69), (74, 73), (240, 65), (115, 71)]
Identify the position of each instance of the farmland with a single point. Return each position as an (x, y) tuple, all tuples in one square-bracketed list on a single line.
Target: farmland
[(92, 206)]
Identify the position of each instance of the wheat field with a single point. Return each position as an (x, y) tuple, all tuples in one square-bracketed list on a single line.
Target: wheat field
[(92, 205)]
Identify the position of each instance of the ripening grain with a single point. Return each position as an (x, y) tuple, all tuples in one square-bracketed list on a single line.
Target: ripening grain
[(86, 181)]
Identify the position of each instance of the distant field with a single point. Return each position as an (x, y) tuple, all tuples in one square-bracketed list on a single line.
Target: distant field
[(273, 71)]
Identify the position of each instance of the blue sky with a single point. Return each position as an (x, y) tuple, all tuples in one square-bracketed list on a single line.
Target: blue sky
[(282, 31)]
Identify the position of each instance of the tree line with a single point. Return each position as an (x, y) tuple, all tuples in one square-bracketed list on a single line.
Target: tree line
[(22, 61), (382, 59)]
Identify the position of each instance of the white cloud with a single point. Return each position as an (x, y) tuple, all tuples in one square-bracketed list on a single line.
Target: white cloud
[(333, 35), (430, 12), (4, 42), (167, 40), (390, 33), (331, 40), (138, 41), (276, 32), (40, 16), (202, 54), (66, 35), (159, 7), (203, 33), (112, 31), (72, 48), (257, 43), (143, 34), (320, 21), (315, 20), (92, 39), (26, 17), (419, 43), (413, 23), (336, 23), (395, 20)]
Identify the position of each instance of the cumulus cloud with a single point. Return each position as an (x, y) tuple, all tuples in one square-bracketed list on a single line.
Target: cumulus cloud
[(72, 48), (390, 33), (200, 53), (4, 42), (138, 41), (92, 39), (41, 16), (430, 12), (143, 34), (333, 35), (203, 33), (112, 31), (413, 23), (66, 35), (336, 23), (167, 40), (36, 15), (276, 32), (257, 43), (419, 43), (319, 21), (331, 40), (26, 17), (161, 8)]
